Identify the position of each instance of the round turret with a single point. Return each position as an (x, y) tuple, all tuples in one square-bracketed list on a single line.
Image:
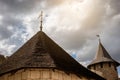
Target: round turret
[(104, 65)]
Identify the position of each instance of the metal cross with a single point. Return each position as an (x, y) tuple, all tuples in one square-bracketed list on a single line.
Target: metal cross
[(98, 37), (41, 20)]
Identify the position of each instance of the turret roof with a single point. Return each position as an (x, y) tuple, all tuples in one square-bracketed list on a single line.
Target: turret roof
[(103, 56)]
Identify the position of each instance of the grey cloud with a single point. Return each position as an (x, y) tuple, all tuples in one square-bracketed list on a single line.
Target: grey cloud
[(3, 52), (12, 12), (74, 40), (112, 39), (9, 21), (11, 31), (18, 6), (115, 5), (15, 39), (112, 8), (88, 51), (110, 32), (5, 33)]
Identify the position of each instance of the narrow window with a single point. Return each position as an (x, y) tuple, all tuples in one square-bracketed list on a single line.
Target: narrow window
[(115, 68), (101, 65), (94, 67), (90, 67), (109, 64)]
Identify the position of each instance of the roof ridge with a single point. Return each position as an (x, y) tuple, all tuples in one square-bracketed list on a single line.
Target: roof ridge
[(104, 51)]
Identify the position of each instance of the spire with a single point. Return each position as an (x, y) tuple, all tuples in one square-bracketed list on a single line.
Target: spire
[(102, 52), (41, 20), (102, 55)]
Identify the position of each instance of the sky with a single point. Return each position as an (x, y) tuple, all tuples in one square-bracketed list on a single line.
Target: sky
[(73, 24)]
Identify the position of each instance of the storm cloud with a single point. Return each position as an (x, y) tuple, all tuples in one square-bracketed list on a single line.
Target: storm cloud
[(73, 24)]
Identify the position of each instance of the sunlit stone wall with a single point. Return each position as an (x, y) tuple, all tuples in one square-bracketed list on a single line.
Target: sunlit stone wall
[(41, 74)]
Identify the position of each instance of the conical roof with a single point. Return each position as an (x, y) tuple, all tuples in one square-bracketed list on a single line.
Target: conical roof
[(42, 52), (103, 56)]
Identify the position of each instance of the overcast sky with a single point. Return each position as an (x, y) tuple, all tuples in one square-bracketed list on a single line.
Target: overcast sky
[(73, 24)]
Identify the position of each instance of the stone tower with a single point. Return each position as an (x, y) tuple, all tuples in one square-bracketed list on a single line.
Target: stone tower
[(104, 65)]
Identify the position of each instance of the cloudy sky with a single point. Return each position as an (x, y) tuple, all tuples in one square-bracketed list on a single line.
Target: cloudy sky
[(73, 24)]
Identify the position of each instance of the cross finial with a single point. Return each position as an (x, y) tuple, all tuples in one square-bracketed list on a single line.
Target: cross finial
[(98, 37), (41, 20)]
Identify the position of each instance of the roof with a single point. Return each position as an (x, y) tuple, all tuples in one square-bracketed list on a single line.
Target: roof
[(42, 52), (102, 56)]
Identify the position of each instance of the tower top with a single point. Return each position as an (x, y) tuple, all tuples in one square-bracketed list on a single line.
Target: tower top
[(41, 20), (102, 55)]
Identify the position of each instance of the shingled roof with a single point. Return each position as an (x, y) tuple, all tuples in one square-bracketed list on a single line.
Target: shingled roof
[(42, 52), (102, 56)]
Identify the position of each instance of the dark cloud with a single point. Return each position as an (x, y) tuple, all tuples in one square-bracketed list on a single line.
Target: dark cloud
[(7, 22), (115, 6), (109, 31), (4, 32), (80, 41), (12, 29), (71, 41), (18, 6), (11, 20), (112, 39)]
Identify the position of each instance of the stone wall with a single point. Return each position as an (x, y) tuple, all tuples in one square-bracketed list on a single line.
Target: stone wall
[(106, 70), (41, 74)]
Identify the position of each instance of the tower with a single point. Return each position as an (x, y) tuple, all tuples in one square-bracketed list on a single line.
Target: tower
[(103, 64)]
